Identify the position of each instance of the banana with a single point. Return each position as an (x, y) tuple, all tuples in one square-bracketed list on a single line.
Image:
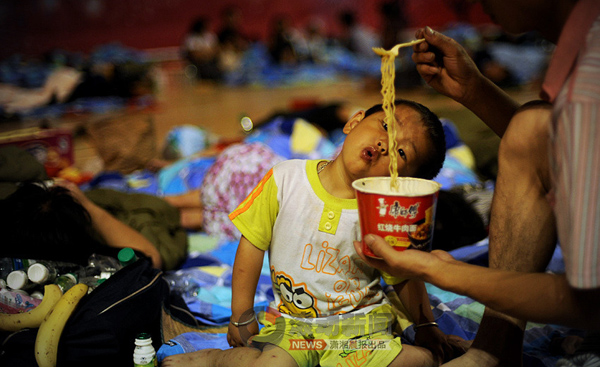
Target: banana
[(48, 336), (34, 317)]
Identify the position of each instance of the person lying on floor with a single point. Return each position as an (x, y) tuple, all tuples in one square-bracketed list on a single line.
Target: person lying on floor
[(42, 219), (286, 214), (67, 84), (60, 223)]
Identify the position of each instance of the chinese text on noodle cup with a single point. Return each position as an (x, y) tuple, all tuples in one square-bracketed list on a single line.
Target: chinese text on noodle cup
[(404, 217)]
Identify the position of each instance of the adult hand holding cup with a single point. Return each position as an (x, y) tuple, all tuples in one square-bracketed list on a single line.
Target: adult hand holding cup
[(403, 264), (404, 216)]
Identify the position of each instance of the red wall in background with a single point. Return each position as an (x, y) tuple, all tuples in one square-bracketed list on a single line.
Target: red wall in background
[(32, 27)]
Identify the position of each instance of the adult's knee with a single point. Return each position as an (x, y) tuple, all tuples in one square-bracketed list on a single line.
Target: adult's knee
[(526, 137), (525, 134), (524, 148)]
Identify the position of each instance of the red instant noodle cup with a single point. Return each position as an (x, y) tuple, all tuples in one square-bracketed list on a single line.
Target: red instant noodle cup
[(404, 218)]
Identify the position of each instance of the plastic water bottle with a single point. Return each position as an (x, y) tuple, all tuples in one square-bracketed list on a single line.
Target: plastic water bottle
[(42, 273), (66, 281), (102, 266), (92, 282), (182, 283), (8, 264), (144, 354), (126, 256), (18, 280)]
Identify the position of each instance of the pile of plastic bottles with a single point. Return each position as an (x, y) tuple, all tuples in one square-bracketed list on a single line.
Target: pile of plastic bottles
[(22, 281)]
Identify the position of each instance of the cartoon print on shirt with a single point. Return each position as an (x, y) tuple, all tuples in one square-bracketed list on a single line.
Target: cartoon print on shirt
[(348, 290), (296, 300)]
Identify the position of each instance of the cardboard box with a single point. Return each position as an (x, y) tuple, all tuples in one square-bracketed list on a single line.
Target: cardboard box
[(51, 147)]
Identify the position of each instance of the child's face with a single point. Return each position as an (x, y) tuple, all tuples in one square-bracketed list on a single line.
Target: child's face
[(366, 149)]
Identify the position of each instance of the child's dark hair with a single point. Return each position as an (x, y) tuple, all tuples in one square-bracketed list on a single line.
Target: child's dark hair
[(435, 160), (46, 223)]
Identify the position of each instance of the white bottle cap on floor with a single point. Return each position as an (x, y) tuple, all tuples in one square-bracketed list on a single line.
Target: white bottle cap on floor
[(17, 279), (38, 273)]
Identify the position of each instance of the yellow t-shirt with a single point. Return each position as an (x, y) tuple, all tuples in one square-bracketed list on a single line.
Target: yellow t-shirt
[(309, 234)]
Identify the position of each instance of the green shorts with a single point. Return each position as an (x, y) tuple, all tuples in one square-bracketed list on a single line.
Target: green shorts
[(354, 339)]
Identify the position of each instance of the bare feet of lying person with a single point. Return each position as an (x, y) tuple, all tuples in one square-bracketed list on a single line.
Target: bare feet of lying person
[(191, 218), (190, 199), (190, 208)]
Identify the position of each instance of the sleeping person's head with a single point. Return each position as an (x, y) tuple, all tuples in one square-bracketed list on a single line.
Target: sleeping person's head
[(44, 222)]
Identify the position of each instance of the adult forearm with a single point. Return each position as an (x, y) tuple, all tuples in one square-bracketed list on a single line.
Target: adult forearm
[(491, 104), (538, 297), (118, 234)]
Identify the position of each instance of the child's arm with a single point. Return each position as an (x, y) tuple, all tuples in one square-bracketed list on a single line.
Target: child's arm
[(246, 272), (413, 295)]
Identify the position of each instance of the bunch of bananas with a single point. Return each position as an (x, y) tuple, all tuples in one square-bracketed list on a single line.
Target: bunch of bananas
[(50, 316)]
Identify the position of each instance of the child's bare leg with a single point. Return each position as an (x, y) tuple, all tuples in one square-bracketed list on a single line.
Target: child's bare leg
[(414, 356), (241, 356)]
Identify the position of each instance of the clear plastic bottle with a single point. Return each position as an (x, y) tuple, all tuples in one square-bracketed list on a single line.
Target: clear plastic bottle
[(42, 273), (8, 264), (144, 354), (22, 264), (66, 281), (102, 266), (182, 283), (37, 294), (21, 292), (92, 282)]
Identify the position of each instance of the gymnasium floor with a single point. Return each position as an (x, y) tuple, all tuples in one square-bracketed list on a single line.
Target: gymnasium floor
[(218, 109)]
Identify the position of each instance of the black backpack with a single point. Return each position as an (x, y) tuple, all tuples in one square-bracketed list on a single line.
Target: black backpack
[(103, 327)]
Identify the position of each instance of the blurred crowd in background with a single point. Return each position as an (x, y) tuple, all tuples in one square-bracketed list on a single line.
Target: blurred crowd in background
[(219, 51)]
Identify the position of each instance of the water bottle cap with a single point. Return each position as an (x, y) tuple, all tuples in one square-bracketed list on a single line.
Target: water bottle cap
[(143, 339), (17, 279), (71, 276), (143, 336), (126, 256), (38, 273)]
